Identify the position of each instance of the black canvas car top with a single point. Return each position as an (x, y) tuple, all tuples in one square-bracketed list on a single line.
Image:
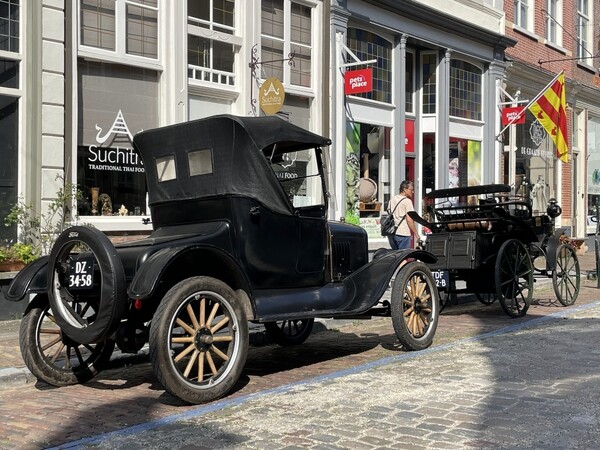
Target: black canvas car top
[(220, 155)]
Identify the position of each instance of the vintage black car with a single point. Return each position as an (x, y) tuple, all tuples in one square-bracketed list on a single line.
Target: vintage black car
[(240, 234)]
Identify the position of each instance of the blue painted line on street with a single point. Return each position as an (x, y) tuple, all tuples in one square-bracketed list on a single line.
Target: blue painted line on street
[(228, 403)]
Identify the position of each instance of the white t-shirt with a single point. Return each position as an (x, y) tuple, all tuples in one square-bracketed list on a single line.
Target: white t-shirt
[(404, 205)]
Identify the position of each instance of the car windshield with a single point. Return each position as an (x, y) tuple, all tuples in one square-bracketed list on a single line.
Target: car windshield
[(298, 173)]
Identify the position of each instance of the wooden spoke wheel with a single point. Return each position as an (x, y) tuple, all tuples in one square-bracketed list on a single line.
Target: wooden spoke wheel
[(514, 278), (566, 276), (487, 298), (52, 356), (199, 339), (290, 332), (415, 306)]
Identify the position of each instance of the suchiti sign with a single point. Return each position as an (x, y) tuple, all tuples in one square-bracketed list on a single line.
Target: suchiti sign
[(271, 96), (357, 81)]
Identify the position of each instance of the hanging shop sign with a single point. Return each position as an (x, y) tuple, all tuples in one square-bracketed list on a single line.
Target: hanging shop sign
[(271, 96), (357, 81), (510, 114)]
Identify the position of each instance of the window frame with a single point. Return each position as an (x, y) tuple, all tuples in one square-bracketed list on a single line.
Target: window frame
[(369, 96), (520, 22), (554, 23), (286, 41), (205, 76), (584, 36), (476, 101), (422, 78), (120, 55)]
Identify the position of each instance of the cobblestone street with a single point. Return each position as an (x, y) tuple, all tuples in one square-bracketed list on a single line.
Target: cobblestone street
[(487, 382)]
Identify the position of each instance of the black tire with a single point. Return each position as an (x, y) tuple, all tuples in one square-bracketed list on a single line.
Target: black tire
[(444, 299), (566, 275), (52, 356), (415, 306), (94, 314), (487, 298), (290, 332), (200, 320), (514, 278)]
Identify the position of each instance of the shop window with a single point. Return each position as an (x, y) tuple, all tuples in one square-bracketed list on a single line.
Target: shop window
[(584, 29), (165, 168), (211, 54), (535, 178), (9, 130), (366, 45), (115, 102), (286, 27), (429, 66), (410, 83), (200, 162), (9, 25), (464, 165), (465, 90), (9, 73), (121, 27), (554, 21), (593, 164)]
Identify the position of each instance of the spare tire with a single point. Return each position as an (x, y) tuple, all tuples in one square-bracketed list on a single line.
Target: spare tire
[(87, 289)]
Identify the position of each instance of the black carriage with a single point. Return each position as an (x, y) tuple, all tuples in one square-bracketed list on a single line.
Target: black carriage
[(491, 244)]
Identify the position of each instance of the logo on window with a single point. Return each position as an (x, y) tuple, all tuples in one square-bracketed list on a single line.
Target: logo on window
[(119, 127), (537, 133)]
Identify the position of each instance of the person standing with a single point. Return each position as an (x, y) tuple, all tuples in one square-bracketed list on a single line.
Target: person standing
[(401, 204)]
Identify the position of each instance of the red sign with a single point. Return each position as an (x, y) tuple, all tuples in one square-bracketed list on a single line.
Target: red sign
[(357, 81), (409, 139), (510, 114)]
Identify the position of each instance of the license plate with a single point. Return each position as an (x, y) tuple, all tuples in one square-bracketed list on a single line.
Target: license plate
[(81, 273), (442, 278)]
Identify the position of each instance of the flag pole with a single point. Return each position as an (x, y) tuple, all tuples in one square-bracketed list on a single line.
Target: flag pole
[(531, 102)]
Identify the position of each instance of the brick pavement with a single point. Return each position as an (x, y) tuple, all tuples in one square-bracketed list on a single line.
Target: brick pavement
[(34, 415)]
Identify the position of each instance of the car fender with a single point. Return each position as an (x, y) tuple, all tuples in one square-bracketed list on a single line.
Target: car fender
[(366, 286), (31, 279), (173, 264)]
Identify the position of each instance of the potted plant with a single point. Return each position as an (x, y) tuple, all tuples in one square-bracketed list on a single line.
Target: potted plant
[(14, 256), (37, 232)]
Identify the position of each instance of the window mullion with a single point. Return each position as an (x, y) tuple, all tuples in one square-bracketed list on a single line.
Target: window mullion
[(120, 27)]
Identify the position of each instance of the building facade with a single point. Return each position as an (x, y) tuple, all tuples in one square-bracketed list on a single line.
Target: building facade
[(432, 115), (81, 77), (554, 36)]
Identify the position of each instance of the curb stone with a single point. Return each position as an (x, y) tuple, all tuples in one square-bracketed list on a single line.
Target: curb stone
[(12, 376)]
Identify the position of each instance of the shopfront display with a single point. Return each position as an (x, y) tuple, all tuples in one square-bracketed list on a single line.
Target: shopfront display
[(535, 163), (115, 103)]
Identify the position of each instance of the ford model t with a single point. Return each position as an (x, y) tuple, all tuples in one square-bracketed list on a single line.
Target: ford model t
[(240, 235)]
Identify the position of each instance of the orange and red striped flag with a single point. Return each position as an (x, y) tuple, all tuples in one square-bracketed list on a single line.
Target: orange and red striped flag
[(550, 111)]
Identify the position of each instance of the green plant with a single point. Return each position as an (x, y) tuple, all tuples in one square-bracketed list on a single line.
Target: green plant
[(352, 218), (18, 252), (40, 230)]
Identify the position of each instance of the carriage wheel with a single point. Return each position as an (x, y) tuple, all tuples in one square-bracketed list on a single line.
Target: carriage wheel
[(289, 332), (415, 306), (487, 298), (565, 278), (514, 278), (51, 355)]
